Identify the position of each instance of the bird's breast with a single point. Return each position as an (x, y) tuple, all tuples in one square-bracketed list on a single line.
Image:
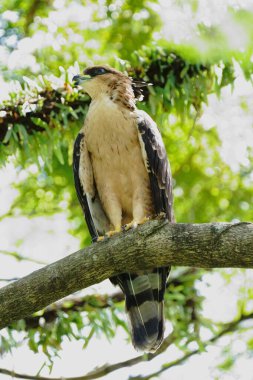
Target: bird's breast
[(112, 140), (111, 135)]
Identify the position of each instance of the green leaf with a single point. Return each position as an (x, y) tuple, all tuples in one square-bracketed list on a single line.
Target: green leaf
[(250, 344), (58, 153), (39, 122), (8, 135), (227, 364)]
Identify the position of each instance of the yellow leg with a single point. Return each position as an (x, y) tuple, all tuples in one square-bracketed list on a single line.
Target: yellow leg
[(135, 223), (108, 234), (144, 220), (160, 216), (101, 238), (113, 232)]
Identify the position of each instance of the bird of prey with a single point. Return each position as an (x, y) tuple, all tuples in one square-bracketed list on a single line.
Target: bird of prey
[(122, 177)]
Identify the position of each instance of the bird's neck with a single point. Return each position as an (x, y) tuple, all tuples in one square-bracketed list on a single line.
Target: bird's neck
[(122, 94), (119, 93)]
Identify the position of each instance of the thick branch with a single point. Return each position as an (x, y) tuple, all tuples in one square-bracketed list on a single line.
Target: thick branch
[(157, 243), (95, 301)]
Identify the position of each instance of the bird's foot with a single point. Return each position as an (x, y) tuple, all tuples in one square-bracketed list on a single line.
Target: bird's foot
[(161, 216), (134, 223), (144, 220), (100, 238), (130, 225), (108, 234), (113, 232)]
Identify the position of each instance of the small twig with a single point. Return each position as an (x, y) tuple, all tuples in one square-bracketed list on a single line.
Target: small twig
[(106, 369), (103, 370), (51, 313), (19, 257), (24, 376), (230, 328), (193, 124)]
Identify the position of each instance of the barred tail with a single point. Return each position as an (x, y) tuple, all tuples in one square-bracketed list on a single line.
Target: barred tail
[(144, 305)]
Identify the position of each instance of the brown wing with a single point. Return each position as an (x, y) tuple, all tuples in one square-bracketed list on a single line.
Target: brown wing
[(95, 217), (157, 165)]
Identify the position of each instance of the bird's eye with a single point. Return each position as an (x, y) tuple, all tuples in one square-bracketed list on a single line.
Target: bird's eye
[(100, 71), (93, 71)]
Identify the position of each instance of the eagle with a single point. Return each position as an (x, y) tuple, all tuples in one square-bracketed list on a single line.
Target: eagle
[(122, 178)]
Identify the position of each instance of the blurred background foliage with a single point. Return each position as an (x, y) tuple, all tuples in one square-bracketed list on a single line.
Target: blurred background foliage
[(42, 45)]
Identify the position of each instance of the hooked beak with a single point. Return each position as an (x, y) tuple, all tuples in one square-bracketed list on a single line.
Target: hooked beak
[(78, 79)]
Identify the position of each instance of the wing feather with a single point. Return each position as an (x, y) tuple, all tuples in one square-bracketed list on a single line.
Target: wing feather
[(158, 167), (88, 197), (157, 164)]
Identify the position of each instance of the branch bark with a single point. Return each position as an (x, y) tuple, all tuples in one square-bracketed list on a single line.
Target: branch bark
[(156, 243), (95, 301)]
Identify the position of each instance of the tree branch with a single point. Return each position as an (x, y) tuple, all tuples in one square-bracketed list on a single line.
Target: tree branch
[(156, 243), (106, 369), (46, 103), (230, 327), (19, 257), (95, 301), (158, 71)]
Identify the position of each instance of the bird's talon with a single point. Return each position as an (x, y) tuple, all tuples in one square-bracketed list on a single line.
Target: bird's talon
[(135, 224), (160, 216), (111, 233), (144, 220), (130, 225), (100, 238)]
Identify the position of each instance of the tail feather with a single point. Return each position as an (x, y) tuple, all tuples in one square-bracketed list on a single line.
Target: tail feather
[(144, 305), (159, 278)]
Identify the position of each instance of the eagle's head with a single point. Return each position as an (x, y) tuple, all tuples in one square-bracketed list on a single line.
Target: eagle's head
[(98, 80), (106, 81)]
